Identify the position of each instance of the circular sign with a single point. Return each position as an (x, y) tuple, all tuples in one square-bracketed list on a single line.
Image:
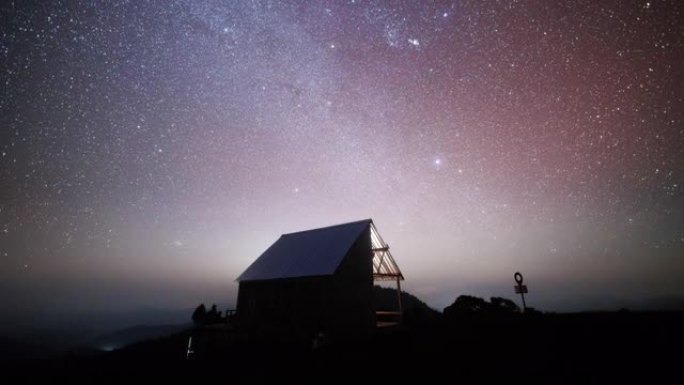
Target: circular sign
[(518, 278)]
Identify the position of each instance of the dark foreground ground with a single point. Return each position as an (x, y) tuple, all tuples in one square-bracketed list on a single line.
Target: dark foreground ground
[(625, 347)]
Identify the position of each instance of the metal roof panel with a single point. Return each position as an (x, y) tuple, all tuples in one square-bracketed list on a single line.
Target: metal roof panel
[(315, 252)]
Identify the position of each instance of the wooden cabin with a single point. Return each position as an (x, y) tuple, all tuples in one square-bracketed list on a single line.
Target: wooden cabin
[(318, 284)]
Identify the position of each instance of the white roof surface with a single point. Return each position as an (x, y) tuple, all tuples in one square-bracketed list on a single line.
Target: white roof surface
[(306, 253)]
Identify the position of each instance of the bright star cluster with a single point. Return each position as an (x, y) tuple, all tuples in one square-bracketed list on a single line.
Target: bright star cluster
[(149, 151)]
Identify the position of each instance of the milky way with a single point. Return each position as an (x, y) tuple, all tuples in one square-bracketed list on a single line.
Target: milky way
[(151, 150)]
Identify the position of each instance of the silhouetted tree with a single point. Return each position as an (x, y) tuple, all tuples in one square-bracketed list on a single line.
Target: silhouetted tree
[(470, 305), (467, 304), (199, 316), (503, 305), (213, 315)]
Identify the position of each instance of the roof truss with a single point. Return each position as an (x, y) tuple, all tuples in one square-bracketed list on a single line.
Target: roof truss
[(384, 266)]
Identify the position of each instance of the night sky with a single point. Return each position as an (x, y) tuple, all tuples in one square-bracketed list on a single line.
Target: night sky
[(151, 150)]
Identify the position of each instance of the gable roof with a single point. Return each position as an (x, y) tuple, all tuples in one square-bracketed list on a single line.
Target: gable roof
[(307, 253)]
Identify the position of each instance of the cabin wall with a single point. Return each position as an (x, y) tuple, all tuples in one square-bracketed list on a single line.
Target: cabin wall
[(281, 310), (353, 313)]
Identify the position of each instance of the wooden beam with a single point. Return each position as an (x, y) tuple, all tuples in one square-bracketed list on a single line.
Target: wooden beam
[(399, 298), (388, 275), (385, 312)]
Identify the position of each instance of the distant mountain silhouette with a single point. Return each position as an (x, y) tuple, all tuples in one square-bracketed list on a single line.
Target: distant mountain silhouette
[(51, 334), (12, 349), (414, 309), (127, 336)]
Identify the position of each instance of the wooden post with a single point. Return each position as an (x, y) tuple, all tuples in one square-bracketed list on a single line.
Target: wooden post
[(401, 312)]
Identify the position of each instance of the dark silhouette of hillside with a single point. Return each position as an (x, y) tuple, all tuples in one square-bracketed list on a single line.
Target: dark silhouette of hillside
[(414, 310), (492, 346), (13, 349), (120, 338)]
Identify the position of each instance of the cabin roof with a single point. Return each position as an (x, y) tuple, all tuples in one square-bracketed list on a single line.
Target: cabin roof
[(316, 252)]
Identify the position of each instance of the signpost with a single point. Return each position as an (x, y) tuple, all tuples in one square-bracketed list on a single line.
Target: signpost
[(190, 350), (520, 288)]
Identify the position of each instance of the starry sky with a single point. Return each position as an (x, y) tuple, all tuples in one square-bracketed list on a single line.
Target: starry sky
[(151, 150)]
